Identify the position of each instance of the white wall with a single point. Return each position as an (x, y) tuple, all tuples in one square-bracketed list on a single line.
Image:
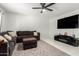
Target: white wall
[(18, 22), (53, 25), (2, 20)]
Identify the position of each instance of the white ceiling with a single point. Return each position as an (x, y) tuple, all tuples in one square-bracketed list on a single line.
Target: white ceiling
[(26, 8)]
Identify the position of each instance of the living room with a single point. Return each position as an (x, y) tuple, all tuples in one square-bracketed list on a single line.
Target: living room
[(21, 17)]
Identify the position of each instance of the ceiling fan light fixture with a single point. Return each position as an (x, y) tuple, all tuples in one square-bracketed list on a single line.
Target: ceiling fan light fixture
[(44, 10)]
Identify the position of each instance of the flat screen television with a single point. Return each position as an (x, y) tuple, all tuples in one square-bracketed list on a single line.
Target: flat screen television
[(68, 22)]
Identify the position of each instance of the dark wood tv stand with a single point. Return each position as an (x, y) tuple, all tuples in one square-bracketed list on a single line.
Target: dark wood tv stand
[(67, 39)]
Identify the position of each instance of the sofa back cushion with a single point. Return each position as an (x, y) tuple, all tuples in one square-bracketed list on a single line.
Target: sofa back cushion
[(8, 37), (23, 33)]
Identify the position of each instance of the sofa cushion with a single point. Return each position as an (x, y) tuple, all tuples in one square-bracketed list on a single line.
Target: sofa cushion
[(8, 37), (2, 38)]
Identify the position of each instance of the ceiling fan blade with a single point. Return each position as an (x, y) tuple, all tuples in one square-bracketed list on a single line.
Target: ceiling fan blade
[(36, 8), (48, 9), (42, 4), (49, 5)]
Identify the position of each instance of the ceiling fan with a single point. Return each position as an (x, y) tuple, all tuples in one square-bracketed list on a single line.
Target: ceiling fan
[(44, 7)]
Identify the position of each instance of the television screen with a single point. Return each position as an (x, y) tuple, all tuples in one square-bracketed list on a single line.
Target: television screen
[(68, 22)]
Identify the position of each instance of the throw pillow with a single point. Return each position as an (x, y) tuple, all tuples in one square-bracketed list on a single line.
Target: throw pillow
[(8, 37), (35, 34), (13, 34)]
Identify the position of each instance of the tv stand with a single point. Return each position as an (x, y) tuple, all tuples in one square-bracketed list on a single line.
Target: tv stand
[(67, 39)]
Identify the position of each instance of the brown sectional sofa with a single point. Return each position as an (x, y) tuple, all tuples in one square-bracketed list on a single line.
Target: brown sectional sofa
[(6, 49)]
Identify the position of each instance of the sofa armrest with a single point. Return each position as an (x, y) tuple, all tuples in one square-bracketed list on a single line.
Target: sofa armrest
[(38, 36), (4, 49)]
